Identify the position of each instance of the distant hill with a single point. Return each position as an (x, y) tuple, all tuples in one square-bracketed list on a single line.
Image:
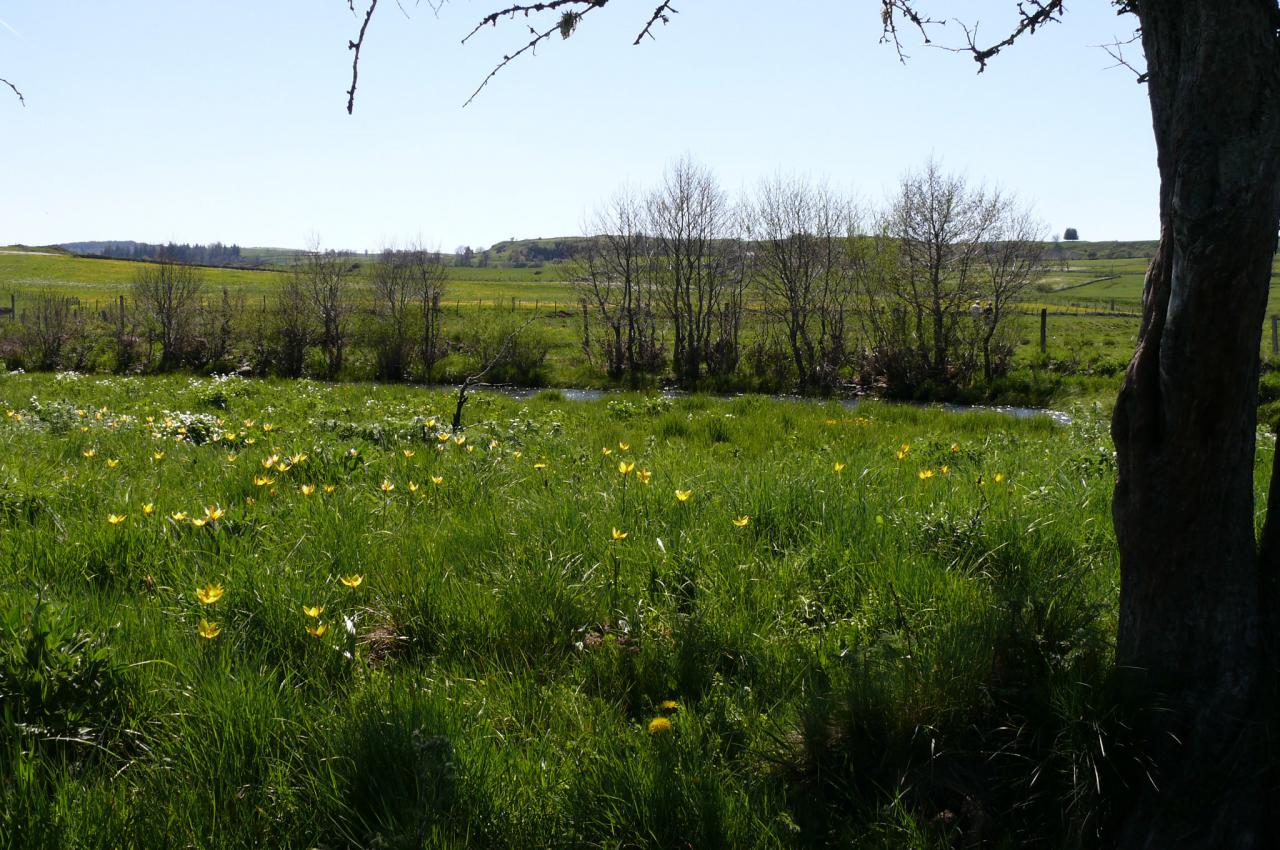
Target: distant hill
[(1078, 250)]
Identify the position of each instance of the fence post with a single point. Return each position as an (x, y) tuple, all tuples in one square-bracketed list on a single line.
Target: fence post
[(1044, 329)]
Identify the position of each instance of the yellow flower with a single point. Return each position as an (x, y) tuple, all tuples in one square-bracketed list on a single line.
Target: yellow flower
[(606, 451), (229, 436), (180, 516), (901, 454), (471, 449), (413, 487), (622, 447), (945, 470), (999, 477), (298, 458), (263, 481), (266, 427), (955, 447), (270, 461), (313, 610), (460, 439), (157, 455), (283, 467), (625, 468), (115, 519), (517, 455), (112, 463), (248, 423), (198, 522), (329, 488), (215, 513), (317, 630), (307, 489), (352, 581), (249, 500), (209, 594), (644, 476), (619, 535), (386, 486), (408, 452), (493, 444), (249, 441), (741, 522), (838, 467), (925, 473), (669, 705), (683, 495), (232, 457), (539, 466), (431, 423), (442, 437), (208, 630), (659, 726), (148, 509)]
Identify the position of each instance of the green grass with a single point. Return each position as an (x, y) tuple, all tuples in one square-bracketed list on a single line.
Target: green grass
[(877, 657)]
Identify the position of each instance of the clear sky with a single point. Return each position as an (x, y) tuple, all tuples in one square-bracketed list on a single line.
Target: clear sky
[(204, 120)]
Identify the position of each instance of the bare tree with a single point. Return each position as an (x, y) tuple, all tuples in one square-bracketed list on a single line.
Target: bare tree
[(168, 294), (392, 286), (292, 327), (1012, 260), (800, 233), (50, 327), (427, 273), (698, 269), (327, 278)]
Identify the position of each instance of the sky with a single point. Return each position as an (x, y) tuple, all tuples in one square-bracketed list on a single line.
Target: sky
[(225, 120)]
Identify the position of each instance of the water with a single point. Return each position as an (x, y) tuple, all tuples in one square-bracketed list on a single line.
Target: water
[(576, 394)]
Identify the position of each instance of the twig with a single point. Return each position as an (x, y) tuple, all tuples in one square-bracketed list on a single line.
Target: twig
[(356, 45), (1116, 51), (472, 380), (21, 99)]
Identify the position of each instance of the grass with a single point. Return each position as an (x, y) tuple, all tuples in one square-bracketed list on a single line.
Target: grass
[(908, 651)]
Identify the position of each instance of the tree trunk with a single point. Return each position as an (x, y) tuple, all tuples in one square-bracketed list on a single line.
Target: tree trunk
[(1191, 611)]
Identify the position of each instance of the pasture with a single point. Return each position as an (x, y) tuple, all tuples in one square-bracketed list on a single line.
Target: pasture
[(247, 613)]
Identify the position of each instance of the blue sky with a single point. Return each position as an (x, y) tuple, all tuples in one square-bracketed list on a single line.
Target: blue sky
[(204, 120)]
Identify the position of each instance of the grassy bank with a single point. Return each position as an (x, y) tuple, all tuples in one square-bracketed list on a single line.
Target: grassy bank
[(888, 627)]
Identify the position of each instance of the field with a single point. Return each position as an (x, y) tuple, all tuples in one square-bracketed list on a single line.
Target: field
[(266, 614)]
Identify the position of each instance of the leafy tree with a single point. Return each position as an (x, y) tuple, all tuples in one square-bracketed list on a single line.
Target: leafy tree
[(1070, 234)]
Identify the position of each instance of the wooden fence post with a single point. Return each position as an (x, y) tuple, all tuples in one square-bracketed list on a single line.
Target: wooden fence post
[(1044, 329)]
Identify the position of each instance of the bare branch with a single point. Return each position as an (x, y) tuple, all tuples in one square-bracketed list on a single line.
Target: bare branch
[(1032, 14), (662, 13), (356, 45), (1116, 51), (21, 99)]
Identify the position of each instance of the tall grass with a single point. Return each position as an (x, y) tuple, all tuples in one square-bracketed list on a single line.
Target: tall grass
[(911, 651)]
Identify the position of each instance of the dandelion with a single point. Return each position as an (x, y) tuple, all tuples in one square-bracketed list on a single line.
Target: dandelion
[(214, 513), (683, 495), (352, 581), (659, 726), (208, 630), (317, 630), (263, 481), (838, 467), (644, 476), (619, 535), (669, 705), (116, 519), (741, 522), (157, 456), (307, 489), (209, 594), (386, 486), (179, 516), (313, 611), (408, 453), (622, 447), (925, 473), (112, 463), (625, 468)]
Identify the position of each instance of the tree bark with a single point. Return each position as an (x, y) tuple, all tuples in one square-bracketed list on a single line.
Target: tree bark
[(1191, 610)]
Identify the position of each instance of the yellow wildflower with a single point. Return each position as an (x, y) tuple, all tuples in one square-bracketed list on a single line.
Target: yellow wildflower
[(209, 594), (413, 487), (317, 630), (838, 467), (112, 463), (619, 535), (622, 447), (232, 457), (352, 581), (199, 522), (180, 516), (999, 477), (157, 455), (115, 519), (683, 495), (263, 481), (925, 473), (625, 468), (741, 522), (89, 452), (214, 513), (539, 466), (307, 489), (148, 509), (659, 726), (267, 427), (407, 452), (313, 611), (208, 630), (460, 439), (386, 486), (606, 451), (329, 488), (669, 705), (644, 476)]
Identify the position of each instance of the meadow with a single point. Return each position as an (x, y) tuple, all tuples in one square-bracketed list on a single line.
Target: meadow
[(244, 613)]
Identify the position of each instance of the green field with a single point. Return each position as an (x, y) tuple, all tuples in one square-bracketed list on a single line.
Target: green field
[(851, 609)]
